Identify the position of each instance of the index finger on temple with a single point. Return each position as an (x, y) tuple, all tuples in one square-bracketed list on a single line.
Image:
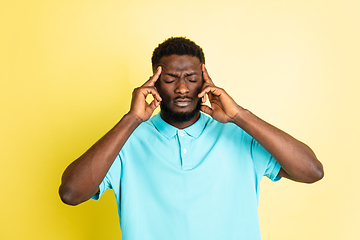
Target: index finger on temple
[(206, 76), (153, 78)]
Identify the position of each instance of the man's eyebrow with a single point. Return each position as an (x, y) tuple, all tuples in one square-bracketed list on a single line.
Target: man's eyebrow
[(191, 74), (172, 74)]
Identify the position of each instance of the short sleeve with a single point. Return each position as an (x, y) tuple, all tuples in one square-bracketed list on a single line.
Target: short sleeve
[(264, 163), (111, 180)]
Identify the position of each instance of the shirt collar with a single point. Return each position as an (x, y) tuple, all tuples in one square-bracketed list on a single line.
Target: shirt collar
[(169, 131)]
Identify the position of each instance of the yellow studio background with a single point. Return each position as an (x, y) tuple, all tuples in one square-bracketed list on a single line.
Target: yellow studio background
[(68, 68)]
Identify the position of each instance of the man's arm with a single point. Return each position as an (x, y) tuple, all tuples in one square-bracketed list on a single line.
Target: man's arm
[(81, 179), (298, 162)]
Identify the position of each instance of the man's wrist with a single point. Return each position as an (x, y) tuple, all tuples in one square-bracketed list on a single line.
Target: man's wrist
[(241, 116), (131, 120)]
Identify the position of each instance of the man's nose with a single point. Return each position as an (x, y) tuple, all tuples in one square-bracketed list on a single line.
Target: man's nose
[(181, 87)]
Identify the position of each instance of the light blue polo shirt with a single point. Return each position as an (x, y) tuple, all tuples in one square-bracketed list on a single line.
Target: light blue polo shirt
[(201, 182)]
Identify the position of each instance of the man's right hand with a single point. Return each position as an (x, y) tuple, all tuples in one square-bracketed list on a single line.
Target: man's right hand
[(139, 107), (82, 178)]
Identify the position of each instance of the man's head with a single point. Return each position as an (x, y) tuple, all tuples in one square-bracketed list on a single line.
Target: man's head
[(180, 81), (178, 46)]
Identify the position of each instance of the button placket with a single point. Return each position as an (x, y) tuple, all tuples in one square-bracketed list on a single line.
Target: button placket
[(184, 140)]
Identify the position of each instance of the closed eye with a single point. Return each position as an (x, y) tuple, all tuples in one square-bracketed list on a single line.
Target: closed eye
[(169, 80), (192, 80), (191, 77)]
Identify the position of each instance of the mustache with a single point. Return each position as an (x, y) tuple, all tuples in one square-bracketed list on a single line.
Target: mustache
[(183, 98)]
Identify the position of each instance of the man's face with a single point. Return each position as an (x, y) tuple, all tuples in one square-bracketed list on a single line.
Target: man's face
[(178, 85)]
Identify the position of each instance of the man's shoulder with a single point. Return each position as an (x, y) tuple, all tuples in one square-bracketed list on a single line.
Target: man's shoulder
[(212, 123), (146, 126)]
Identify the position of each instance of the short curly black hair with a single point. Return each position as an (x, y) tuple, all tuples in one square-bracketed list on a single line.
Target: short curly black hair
[(178, 46)]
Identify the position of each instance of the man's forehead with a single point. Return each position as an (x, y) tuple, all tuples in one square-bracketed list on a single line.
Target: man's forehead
[(180, 63)]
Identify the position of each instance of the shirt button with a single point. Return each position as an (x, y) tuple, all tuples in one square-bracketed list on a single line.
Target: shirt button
[(184, 151), (182, 134)]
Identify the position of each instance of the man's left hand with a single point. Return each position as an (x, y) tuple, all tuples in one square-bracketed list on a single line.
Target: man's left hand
[(223, 107)]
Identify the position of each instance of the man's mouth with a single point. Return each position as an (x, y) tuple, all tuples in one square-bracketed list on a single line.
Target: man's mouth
[(182, 102)]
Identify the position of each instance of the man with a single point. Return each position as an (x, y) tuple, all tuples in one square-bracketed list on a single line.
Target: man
[(182, 174)]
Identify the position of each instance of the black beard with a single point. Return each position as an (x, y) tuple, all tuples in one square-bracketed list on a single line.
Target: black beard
[(182, 116)]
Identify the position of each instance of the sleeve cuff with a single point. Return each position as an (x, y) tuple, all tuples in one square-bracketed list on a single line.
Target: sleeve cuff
[(100, 192), (274, 174)]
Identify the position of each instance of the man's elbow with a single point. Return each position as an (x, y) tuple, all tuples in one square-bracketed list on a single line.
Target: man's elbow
[(68, 196), (317, 173)]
